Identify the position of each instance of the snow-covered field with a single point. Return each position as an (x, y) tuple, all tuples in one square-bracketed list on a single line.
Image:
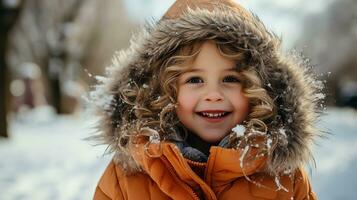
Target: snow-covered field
[(48, 158), (335, 177)]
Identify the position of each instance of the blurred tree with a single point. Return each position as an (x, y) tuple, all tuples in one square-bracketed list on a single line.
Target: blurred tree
[(42, 35), (112, 32), (9, 12), (63, 39), (330, 38)]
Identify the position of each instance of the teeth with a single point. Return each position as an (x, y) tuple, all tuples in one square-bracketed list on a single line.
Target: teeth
[(212, 114)]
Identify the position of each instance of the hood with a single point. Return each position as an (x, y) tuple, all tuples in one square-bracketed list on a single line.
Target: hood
[(288, 79)]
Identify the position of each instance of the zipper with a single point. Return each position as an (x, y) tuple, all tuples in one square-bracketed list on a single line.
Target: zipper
[(193, 175), (195, 163), (197, 167), (173, 173), (208, 167)]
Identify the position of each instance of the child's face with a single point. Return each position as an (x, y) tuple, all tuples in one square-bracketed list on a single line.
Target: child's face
[(210, 98)]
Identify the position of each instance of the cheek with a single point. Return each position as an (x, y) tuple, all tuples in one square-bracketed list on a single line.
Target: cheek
[(186, 101), (245, 106), (241, 103)]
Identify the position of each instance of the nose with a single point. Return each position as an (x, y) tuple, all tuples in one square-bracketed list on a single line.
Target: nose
[(213, 94)]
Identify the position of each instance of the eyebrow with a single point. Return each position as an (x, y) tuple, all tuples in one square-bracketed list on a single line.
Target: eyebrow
[(192, 70), (198, 70)]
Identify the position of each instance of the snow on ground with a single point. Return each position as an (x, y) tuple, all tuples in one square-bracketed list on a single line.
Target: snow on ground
[(335, 177), (48, 158)]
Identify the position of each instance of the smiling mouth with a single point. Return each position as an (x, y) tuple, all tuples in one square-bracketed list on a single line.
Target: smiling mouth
[(213, 115)]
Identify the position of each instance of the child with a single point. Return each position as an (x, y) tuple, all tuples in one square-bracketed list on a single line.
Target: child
[(204, 106)]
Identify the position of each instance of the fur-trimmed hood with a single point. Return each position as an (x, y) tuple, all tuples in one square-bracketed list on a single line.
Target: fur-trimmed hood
[(287, 78)]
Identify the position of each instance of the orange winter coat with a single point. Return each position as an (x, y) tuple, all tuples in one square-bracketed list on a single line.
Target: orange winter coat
[(171, 176)]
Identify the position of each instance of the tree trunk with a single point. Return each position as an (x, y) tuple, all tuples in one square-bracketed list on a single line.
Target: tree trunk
[(8, 17), (3, 85)]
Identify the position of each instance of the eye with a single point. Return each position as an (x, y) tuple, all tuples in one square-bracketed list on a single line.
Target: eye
[(194, 80), (231, 79)]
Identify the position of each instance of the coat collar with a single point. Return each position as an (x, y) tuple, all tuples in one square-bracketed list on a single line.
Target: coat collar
[(165, 164)]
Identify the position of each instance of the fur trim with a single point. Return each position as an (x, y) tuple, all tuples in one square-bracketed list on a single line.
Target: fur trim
[(287, 78)]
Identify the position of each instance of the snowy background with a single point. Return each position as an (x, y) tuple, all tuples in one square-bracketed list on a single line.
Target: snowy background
[(48, 158), (284, 17)]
